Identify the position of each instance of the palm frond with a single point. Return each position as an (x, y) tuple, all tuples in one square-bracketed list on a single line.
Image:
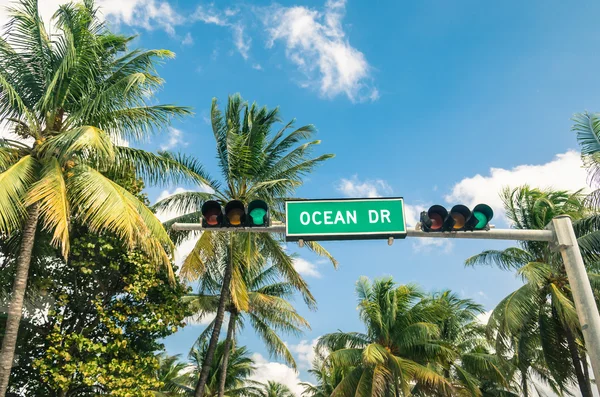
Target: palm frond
[(14, 184), (50, 192)]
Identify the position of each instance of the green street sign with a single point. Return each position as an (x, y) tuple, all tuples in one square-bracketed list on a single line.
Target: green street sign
[(345, 219)]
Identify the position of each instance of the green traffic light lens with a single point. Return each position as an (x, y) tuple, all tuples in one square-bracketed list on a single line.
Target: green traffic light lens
[(258, 216), (481, 220)]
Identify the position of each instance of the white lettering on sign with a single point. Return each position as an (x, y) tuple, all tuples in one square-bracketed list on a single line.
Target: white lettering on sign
[(327, 215), (373, 216), (339, 218), (314, 218), (302, 218), (385, 214), (351, 216)]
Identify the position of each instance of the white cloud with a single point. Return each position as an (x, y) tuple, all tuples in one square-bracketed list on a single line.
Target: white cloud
[(306, 268), (564, 172), (257, 66), (316, 42), (305, 351), (484, 317), (354, 187), (269, 370), (242, 42), (188, 40), (211, 16), (148, 14), (175, 139)]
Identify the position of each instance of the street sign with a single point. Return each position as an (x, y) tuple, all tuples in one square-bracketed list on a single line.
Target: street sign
[(345, 219)]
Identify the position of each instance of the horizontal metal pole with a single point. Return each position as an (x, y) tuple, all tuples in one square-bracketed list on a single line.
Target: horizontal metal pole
[(274, 228), (492, 234)]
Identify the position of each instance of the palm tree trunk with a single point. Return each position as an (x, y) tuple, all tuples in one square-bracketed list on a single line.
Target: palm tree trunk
[(226, 351), (214, 338), (524, 386), (584, 386), (15, 307)]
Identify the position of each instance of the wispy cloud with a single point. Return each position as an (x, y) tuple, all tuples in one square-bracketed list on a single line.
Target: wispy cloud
[(188, 40), (354, 187), (241, 40), (316, 42), (175, 139)]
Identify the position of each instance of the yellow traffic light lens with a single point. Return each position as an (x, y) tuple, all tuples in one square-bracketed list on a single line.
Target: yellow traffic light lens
[(235, 216), (258, 216), (459, 220)]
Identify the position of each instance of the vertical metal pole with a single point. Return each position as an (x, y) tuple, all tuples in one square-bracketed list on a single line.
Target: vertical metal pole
[(585, 304)]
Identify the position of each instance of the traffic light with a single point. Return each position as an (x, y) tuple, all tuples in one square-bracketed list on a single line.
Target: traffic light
[(212, 214), (460, 218), (258, 213), (235, 214)]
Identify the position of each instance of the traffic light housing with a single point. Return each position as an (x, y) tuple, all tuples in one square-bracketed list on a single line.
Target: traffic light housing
[(212, 214), (235, 214), (460, 218)]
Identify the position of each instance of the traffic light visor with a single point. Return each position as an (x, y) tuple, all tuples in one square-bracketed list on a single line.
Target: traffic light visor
[(437, 214), (211, 212), (460, 214), (257, 210), (484, 214), (235, 213)]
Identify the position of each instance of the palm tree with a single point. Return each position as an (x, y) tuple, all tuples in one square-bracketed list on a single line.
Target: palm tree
[(74, 94), (239, 369), (541, 313), (255, 164), (327, 374), (394, 355), (268, 309), (473, 365), (275, 389), (174, 375)]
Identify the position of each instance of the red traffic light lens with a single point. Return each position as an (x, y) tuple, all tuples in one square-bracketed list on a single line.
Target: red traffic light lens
[(211, 212), (436, 221)]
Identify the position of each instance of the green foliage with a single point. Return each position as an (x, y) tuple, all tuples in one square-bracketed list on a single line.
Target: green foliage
[(75, 94), (275, 389), (108, 308), (239, 369), (536, 326)]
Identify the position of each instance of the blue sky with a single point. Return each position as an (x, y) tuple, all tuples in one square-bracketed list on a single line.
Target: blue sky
[(438, 102)]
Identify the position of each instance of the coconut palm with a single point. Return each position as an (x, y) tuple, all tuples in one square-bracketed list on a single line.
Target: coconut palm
[(392, 358), (541, 313), (473, 365), (268, 312), (239, 369), (327, 374), (275, 389), (73, 95), (174, 376), (255, 163)]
